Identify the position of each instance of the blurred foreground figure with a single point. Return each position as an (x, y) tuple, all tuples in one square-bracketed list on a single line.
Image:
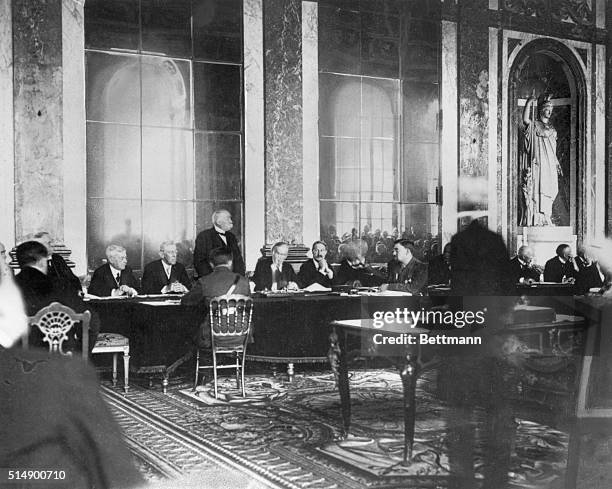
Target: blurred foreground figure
[(51, 414)]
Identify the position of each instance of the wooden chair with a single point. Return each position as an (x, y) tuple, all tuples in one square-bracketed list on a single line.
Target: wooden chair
[(230, 320), (56, 321)]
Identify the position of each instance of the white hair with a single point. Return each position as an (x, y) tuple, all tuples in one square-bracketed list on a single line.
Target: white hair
[(217, 213), (162, 246), (114, 250)]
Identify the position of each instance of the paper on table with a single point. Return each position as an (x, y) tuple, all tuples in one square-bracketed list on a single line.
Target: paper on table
[(316, 287)]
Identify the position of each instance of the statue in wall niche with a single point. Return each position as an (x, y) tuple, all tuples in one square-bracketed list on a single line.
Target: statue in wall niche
[(539, 166)]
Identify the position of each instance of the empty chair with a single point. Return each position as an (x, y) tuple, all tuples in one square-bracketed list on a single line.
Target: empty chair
[(56, 323), (230, 324)]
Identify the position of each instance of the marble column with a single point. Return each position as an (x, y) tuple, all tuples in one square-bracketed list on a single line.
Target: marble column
[(473, 107), (283, 120), (7, 151), (254, 136), (37, 88)]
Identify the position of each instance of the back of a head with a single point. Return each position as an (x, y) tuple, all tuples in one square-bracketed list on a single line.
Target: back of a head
[(220, 257), (30, 252)]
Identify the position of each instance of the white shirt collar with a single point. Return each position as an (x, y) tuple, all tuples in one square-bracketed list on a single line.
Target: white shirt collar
[(218, 229), (561, 260), (167, 268), (114, 271)]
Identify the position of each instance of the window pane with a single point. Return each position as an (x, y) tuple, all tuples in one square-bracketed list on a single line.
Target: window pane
[(218, 169), (166, 27), (166, 92), (113, 161), (340, 40), (113, 221), (380, 45), (217, 97), (421, 106), (168, 221), (167, 164), (113, 87), (339, 105), (111, 24), (378, 170), (217, 27), (379, 114), (421, 172), (419, 223)]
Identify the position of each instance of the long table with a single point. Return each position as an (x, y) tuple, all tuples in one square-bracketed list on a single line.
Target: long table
[(288, 329)]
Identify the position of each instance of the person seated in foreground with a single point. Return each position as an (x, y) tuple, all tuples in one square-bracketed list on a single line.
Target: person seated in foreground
[(40, 290), (353, 269), (166, 275), (561, 268), (221, 281), (58, 269), (523, 269), (316, 270), (52, 414), (405, 272), (275, 273), (590, 275), (438, 270), (114, 278)]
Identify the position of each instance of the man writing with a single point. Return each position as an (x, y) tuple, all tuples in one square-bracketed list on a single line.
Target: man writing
[(166, 275), (316, 270), (219, 236), (275, 273), (522, 268), (114, 278), (561, 268), (405, 272)]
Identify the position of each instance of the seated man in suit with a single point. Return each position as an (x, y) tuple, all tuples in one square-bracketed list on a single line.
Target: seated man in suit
[(220, 282), (274, 273), (438, 269), (114, 278), (523, 270), (589, 274), (561, 268), (353, 269), (316, 270), (58, 269), (219, 236), (165, 276), (405, 272), (40, 290)]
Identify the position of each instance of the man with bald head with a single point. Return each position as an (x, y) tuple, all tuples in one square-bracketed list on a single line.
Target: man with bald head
[(522, 267), (219, 236), (114, 278), (166, 275)]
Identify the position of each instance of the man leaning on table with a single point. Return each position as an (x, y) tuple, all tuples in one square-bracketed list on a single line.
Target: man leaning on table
[(406, 273), (166, 275), (114, 278), (275, 273)]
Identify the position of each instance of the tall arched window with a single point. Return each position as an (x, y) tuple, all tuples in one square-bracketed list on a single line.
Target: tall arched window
[(164, 122)]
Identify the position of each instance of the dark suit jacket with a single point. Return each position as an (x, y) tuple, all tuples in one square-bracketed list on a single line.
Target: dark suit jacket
[(263, 274), (438, 272), (309, 274), (209, 240), (367, 276), (53, 416), (215, 284), (39, 290), (588, 277), (523, 271), (411, 278), (60, 272), (154, 277), (554, 270), (103, 282)]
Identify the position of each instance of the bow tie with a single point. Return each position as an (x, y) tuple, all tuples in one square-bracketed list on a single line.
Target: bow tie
[(220, 234)]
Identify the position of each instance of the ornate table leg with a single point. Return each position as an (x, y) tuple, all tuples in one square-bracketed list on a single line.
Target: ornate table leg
[(408, 373), (337, 360)]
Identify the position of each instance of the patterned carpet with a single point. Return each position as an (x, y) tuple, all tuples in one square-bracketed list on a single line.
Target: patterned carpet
[(286, 435)]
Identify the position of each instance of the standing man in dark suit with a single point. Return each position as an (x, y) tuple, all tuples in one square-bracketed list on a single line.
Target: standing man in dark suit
[(522, 268), (114, 278), (274, 273), (166, 276), (58, 269), (561, 268), (406, 273), (219, 236), (316, 270)]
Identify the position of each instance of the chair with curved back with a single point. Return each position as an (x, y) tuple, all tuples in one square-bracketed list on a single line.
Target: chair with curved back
[(57, 321), (230, 319)]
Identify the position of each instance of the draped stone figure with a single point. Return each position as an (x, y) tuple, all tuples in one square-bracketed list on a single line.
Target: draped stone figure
[(539, 166)]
